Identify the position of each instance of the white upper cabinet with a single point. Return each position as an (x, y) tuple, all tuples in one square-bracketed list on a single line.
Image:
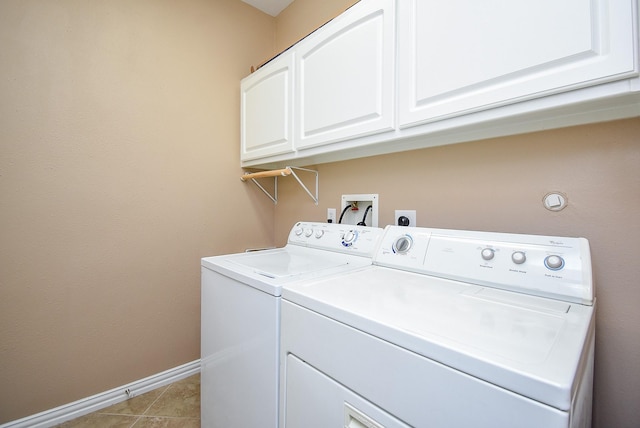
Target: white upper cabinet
[(393, 75), (460, 56), (266, 110), (345, 76)]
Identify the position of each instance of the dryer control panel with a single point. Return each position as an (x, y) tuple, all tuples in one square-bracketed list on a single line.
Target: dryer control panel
[(547, 266), (347, 238)]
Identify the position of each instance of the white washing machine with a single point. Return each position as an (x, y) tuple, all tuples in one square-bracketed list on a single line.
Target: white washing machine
[(447, 329), (241, 317)]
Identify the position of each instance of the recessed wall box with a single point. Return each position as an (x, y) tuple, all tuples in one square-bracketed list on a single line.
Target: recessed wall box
[(360, 212)]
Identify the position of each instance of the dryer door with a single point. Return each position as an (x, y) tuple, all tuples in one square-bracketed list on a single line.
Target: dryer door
[(314, 400)]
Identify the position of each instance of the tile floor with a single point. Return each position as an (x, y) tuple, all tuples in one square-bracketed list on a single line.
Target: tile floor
[(173, 406)]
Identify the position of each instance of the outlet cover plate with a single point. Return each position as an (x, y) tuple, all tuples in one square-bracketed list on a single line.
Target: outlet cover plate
[(331, 214), (410, 214)]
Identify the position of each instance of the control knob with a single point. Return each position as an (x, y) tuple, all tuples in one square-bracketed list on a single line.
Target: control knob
[(488, 253), (518, 257), (319, 233), (349, 238), (308, 232), (554, 262), (402, 244)]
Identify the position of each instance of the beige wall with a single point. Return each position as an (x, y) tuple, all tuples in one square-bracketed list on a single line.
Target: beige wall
[(498, 185), (119, 170), (303, 16)]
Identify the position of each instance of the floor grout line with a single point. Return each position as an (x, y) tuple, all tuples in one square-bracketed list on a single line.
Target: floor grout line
[(134, 422), (154, 401), (166, 417), (144, 413)]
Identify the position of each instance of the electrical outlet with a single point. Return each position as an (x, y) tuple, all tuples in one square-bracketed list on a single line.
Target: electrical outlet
[(410, 214), (331, 215)]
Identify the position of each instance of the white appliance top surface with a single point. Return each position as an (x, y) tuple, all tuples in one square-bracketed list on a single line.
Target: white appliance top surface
[(286, 263), (268, 270), (313, 250), (527, 344)]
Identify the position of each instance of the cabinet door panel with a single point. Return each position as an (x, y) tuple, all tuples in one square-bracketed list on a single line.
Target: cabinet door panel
[(267, 102), (461, 56), (345, 76)]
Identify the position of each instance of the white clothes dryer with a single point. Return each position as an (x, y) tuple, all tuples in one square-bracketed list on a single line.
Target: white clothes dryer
[(241, 317), (447, 329)]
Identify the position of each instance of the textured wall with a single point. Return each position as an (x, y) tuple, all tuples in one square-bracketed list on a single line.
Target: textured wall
[(119, 170), (303, 16), (498, 185)]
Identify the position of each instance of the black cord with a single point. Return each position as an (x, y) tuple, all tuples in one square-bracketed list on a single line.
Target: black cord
[(344, 211), (364, 217)]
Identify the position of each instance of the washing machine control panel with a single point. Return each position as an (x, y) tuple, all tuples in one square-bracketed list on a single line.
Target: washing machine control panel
[(548, 266), (348, 238)]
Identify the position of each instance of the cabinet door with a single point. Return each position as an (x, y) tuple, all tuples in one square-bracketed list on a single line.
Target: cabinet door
[(345, 71), (460, 56), (266, 109)]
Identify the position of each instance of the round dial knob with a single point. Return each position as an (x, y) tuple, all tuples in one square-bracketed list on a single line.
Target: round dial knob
[(554, 262), (299, 231), (308, 232), (349, 238), (403, 244), (319, 233), (518, 257), (488, 253)]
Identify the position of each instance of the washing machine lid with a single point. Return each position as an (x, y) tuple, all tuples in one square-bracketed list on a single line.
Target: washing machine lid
[(527, 344), (268, 270), (287, 263), (313, 250)]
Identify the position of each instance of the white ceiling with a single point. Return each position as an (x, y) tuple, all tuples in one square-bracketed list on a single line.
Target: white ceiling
[(272, 7)]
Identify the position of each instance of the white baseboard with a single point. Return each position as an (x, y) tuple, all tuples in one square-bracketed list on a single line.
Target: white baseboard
[(96, 402)]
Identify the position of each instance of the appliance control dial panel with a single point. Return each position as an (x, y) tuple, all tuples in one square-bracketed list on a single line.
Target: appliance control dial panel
[(347, 238), (547, 266)]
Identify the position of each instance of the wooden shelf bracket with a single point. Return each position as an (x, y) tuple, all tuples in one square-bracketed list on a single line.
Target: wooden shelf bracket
[(286, 171)]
